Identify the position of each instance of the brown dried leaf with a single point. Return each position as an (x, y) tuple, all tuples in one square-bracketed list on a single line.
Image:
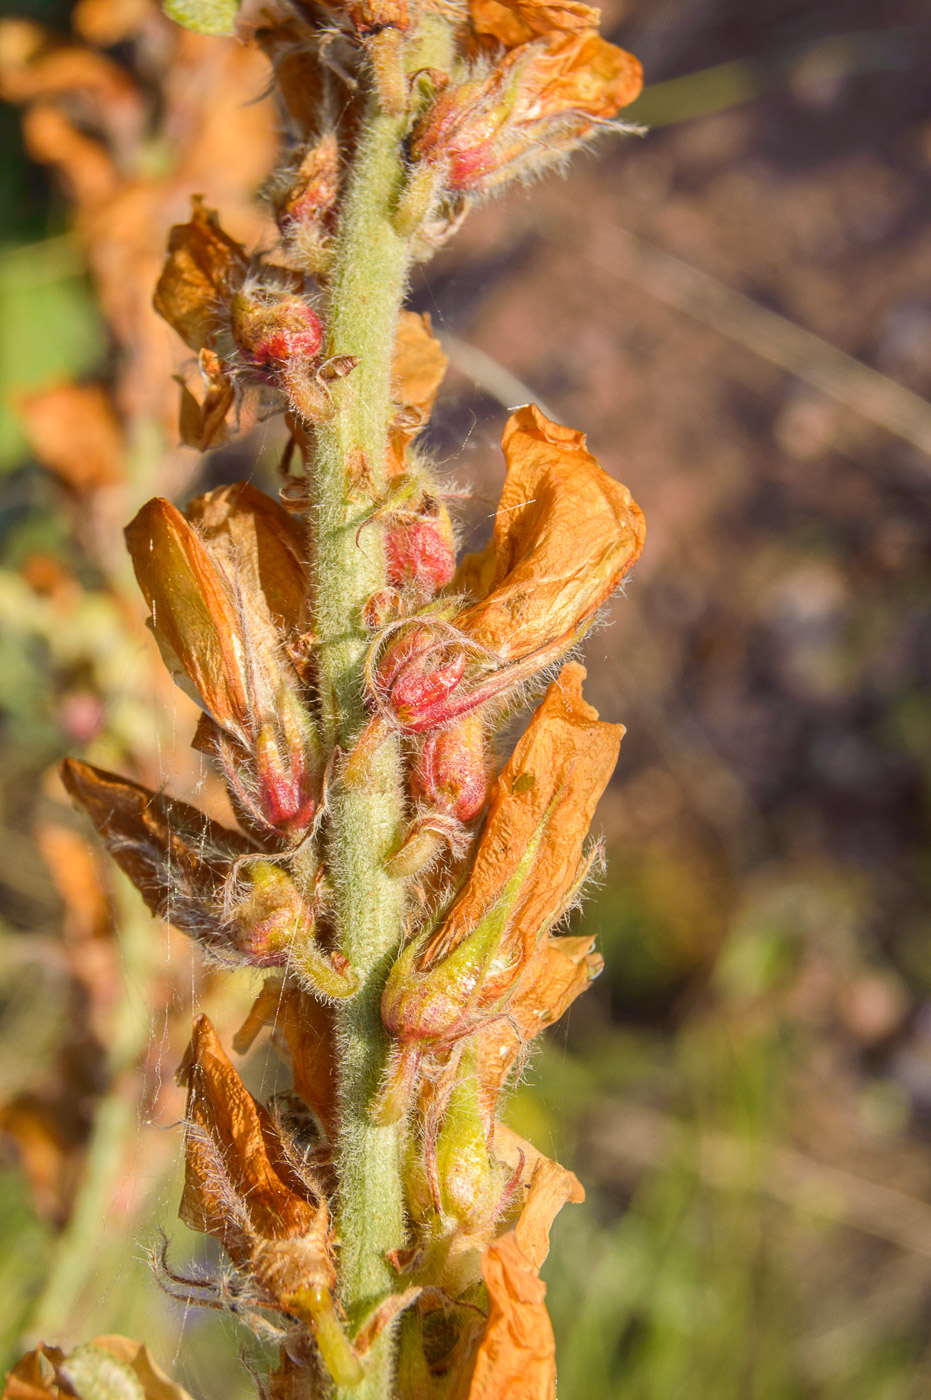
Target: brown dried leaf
[(204, 267), (269, 546), (73, 431), (239, 1184), (565, 535)]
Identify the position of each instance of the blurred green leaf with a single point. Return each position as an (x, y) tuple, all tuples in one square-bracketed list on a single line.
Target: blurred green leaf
[(51, 328), (204, 16)]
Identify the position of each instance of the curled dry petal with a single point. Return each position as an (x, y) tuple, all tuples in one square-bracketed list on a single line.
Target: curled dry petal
[(531, 108), (177, 858), (267, 543), (559, 970), (203, 421), (516, 1354), (515, 1358), (204, 267), (239, 1184), (194, 618), (566, 533), (513, 22), (117, 1367)]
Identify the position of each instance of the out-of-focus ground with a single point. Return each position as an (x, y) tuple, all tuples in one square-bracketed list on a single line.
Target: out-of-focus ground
[(746, 1092)]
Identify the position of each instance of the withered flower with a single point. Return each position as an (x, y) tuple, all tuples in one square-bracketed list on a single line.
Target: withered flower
[(112, 1365), (245, 1187), (247, 322), (515, 1358), (178, 859), (217, 601), (565, 535), (514, 22), (204, 268), (534, 106), (524, 876)]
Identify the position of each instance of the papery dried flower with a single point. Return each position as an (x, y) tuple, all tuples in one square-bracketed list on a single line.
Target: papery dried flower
[(242, 1186), (117, 1367), (216, 629), (527, 865), (204, 268), (515, 1358), (565, 535), (514, 22), (265, 543), (538, 102)]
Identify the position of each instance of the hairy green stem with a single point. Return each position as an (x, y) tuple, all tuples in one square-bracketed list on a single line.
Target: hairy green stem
[(372, 261), (369, 280)]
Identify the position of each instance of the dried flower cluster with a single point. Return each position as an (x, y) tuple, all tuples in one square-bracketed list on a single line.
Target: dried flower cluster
[(404, 892)]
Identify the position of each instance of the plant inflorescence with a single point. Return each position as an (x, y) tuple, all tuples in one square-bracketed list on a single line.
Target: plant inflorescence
[(401, 888)]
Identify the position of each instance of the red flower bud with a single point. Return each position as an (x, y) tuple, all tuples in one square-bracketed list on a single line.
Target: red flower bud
[(421, 551), (452, 771), (416, 676), (270, 329), (285, 794)]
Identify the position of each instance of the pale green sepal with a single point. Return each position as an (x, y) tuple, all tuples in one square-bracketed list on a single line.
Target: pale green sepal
[(96, 1374), (204, 16)]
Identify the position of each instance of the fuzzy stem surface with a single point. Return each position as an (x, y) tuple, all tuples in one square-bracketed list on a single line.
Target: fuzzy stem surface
[(369, 280)]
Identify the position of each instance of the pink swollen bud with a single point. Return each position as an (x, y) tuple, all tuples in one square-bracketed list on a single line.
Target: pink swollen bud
[(451, 773), (420, 551), (272, 331), (416, 677), (285, 796)]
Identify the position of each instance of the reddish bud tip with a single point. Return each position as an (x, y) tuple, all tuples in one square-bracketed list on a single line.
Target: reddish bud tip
[(452, 773), (271, 331), (421, 552)]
